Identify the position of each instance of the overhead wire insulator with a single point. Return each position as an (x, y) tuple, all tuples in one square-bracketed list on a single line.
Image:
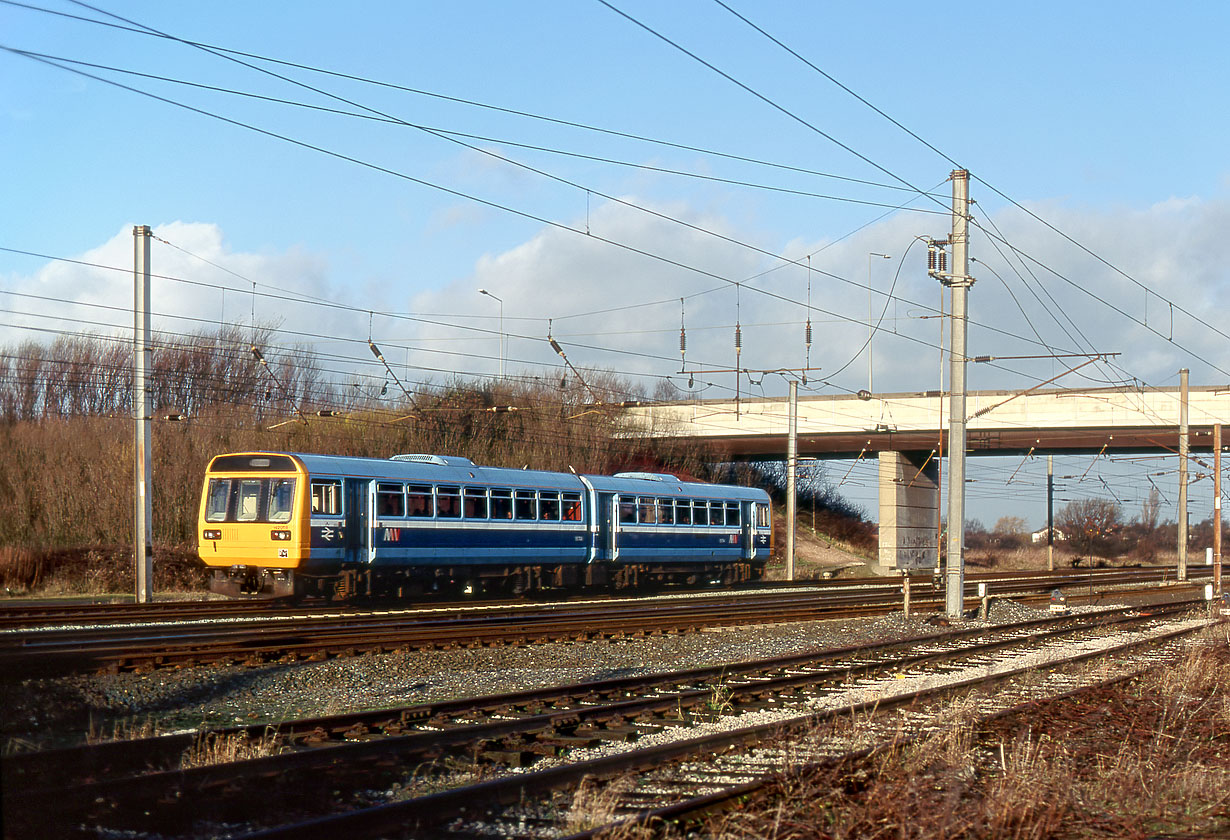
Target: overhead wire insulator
[(738, 338), (683, 333), (943, 262), (807, 334)]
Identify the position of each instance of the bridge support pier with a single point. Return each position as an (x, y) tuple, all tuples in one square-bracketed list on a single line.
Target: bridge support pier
[(909, 515)]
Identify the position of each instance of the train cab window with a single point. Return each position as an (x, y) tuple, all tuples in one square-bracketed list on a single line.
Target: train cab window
[(474, 502), (418, 501), (762, 515), (281, 499), (327, 498), (627, 511), (732, 514), (700, 512), (390, 499), (249, 507), (646, 514), (218, 496), (548, 505), (448, 502), (526, 507), (666, 511), (683, 512), (572, 507), (501, 504)]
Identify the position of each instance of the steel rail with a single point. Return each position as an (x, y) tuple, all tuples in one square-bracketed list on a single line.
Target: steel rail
[(113, 648), (19, 615)]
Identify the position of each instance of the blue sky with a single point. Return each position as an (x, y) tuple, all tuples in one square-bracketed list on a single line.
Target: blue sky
[(1106, 119)]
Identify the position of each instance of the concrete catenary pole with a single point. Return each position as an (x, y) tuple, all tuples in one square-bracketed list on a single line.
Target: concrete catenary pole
[(792, 468), (1050, 513), (143, 532), (1183, 444), (1217, 510), (960, 282)]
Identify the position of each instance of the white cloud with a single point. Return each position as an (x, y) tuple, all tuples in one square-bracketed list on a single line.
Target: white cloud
[(617, 309), (190, 268)]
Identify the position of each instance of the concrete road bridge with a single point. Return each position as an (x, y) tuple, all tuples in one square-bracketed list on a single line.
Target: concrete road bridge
[(907, 433)]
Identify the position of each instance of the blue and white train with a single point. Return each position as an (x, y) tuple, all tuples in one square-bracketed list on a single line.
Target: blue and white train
[(290, 523)]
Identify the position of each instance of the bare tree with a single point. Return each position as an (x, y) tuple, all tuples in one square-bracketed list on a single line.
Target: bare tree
[(1009, 531), (1092, 527)]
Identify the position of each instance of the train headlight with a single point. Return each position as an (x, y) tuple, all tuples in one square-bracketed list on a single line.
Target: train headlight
[(211, 535), (280, 535)]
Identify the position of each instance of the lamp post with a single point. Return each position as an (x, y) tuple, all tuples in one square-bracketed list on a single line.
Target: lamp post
[(870, 317), (500, 301)]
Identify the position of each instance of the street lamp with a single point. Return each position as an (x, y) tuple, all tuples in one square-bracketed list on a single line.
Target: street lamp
[(500, 301), (870, 317)]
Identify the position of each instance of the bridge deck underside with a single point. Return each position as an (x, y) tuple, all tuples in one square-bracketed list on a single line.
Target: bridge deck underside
[(1147, 439)]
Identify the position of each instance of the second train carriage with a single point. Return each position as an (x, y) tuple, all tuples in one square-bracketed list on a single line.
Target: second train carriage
[(294, 523)]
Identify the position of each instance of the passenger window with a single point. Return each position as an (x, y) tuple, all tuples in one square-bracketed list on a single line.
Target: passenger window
[(327, 498), (645, 513), (572, 507), (216, 500), (732, 514), (683, 512), (762, 515), (249, 506), (418, 501), (475, 499), (700, 511), (448, 502), (525, 504), (548, 505), (501, 504), (281, 499), (627, 511), (390, 500), (666, 511)]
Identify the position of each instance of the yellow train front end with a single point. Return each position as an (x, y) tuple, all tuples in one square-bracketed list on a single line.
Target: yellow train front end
[(254, 522)]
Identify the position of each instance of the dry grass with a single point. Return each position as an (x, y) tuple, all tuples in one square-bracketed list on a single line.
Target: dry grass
[(1150, 759), (21, 570), (594, 804), (121, 730), (224, 749)]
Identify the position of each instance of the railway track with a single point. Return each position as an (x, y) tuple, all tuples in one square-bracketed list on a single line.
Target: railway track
[(15, 615), (424, 758), (317, 633)]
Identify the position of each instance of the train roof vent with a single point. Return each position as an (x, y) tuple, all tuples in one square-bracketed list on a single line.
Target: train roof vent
[(438, 460), (648, 476)]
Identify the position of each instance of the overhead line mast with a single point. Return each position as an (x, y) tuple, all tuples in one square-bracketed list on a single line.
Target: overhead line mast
[(959, 281)]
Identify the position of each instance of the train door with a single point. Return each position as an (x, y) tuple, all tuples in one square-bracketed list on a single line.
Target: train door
[(358, 532), (747, 517), (608, 526)]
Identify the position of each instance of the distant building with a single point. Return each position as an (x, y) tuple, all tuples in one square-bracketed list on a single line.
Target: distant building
[(1040, 536)]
